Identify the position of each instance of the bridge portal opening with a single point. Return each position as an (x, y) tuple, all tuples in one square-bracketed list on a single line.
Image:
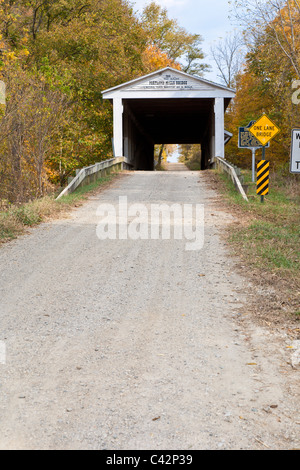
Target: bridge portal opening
[(168, 107), (147, 123)]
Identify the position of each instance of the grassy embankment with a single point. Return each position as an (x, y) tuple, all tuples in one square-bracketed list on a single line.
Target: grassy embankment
[(267, 236), (16, 219)]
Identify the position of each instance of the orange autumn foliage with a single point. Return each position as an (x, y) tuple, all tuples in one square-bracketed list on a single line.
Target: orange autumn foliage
[(155, 59), (265, 85)]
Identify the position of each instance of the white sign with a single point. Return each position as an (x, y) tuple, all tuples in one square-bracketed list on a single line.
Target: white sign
[(169, 81), (295, 151)]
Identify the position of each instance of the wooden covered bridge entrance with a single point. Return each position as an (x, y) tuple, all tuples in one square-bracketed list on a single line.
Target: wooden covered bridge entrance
[(168, 107)]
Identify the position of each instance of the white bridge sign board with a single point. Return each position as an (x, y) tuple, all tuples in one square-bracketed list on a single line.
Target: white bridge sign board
[(169, 81), (295, 151)]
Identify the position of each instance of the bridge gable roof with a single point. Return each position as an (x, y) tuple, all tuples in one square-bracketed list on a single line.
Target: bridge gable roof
[(169, 82)]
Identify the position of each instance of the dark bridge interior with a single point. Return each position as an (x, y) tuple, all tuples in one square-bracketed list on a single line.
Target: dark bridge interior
[(147, 122)]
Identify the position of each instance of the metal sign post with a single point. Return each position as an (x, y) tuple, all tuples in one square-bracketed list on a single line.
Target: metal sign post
[(253, 164)]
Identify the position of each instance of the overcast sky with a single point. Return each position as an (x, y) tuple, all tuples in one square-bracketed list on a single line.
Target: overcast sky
[(206, 17)]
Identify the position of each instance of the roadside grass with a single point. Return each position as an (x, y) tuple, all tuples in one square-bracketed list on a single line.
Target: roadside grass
[(16, 219), (271, 235), (267, 235)]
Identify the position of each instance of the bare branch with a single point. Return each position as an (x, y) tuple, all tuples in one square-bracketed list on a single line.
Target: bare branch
[(279, 18), (228, 55)]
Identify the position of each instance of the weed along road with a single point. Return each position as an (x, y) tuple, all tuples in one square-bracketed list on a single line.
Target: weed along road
[(139, 340)]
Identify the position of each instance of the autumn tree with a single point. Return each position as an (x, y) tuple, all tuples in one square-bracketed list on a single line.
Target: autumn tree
[(154, 59), (278, 19), (168, 36), (33, 113), (265, 85), (74, 49)]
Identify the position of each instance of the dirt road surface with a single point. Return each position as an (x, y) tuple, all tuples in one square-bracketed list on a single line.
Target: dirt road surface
[(138, 344)]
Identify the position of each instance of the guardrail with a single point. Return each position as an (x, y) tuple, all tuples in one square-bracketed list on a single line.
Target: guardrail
[(91, 173), (226, 167)]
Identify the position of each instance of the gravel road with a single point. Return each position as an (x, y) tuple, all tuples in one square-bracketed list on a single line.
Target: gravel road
[(137, 344)]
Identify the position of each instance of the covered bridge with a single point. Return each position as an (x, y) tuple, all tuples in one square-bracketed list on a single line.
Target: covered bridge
[(168, 107)]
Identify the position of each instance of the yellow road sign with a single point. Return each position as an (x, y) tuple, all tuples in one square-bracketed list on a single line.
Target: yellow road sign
[(263, 176), (264, 130)]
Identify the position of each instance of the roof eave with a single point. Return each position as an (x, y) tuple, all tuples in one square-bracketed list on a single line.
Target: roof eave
[(123, 85)]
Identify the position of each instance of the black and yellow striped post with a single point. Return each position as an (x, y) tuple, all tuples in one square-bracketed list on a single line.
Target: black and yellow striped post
[(263, 177)]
